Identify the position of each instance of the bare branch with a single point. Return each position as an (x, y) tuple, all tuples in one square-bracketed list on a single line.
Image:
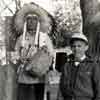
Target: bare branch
[(7, 7), (18, 4)]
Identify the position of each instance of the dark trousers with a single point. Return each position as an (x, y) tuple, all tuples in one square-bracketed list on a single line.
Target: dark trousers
[(60, 97), (30, 91), (78, 98)]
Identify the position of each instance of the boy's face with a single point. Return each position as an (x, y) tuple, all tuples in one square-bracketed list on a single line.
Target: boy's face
[(79, 48)]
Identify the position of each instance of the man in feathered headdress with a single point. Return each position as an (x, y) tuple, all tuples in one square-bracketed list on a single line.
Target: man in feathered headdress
[(30, 86)]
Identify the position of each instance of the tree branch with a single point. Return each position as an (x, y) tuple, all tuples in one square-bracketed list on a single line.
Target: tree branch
[(18, 4), (7, 7)]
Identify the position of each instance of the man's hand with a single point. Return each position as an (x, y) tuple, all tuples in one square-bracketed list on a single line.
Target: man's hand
[(14, 56)]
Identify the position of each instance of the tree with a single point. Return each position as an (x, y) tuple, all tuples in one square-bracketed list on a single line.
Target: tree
[(90, 10)]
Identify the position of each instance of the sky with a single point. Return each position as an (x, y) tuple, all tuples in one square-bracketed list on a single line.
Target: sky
[(49, 5), (46, 4)]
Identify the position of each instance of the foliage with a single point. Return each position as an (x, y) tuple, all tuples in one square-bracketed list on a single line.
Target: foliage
[(68, 20)]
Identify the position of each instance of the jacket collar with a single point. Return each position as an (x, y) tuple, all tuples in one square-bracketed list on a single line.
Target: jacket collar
[(85, 58)]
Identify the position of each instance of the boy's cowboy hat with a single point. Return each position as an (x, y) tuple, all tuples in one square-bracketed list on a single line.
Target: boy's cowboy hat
[(79, 36)]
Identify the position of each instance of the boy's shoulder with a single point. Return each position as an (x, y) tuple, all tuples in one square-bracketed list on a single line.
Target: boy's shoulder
[(70, 58), (91, 59)]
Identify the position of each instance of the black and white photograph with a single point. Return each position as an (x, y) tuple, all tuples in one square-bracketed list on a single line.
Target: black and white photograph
[(49, 50)]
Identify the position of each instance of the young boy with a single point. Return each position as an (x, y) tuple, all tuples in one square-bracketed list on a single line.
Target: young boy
[(80, 79)]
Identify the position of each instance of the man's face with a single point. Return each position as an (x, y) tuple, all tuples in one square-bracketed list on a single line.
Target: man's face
[(32, 23), (79, 48)]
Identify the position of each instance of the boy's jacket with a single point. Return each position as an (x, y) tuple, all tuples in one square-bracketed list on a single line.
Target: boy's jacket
[(82, 80)]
